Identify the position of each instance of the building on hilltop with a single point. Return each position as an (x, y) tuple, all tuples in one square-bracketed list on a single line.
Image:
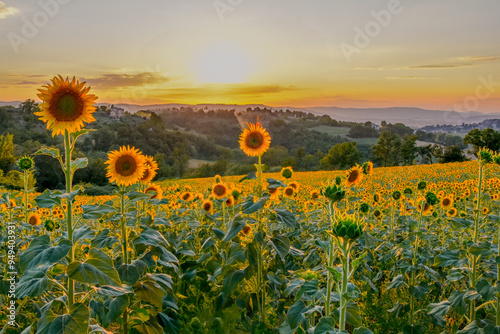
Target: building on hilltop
[(116, 112)]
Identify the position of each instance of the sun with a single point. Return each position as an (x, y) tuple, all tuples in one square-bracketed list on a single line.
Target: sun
[(223, 63)]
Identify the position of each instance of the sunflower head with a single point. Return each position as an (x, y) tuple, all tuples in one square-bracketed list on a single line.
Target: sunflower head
[(150, 171), (422, 185), (452, 212), (254, 140), (208, 206), (354, 176), (347, 227), (287, 172), (156, 190), (66, 105), (186, 196), (50, 225), (447, 202), (289, 192), (368, 168), (126, 166), (25, 163), (220, 190), (230, 201), (34, 219), (396, 194), (485, 156)]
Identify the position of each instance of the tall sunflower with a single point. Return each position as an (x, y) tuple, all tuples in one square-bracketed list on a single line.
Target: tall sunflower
[(66, 105), (126, 166), (354, 175), (150, 171), (255, 140)]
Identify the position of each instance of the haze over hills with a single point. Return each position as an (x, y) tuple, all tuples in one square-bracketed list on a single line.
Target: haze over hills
[(413, 117)]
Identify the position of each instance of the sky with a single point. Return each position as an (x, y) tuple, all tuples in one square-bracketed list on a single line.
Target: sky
[(433, 54)]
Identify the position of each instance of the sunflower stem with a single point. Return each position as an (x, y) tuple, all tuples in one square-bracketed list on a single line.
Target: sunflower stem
[(26, 195), (477, 216), (69, 211)]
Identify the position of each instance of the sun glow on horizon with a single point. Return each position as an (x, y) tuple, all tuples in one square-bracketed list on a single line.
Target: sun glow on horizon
[(223, 63)]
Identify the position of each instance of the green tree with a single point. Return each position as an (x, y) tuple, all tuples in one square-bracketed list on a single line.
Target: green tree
[(363, 131), (29, 106), (341, 156), (386, 151), (409, 149), (487, 138), (426, 152), (7, 157), (275, 156)]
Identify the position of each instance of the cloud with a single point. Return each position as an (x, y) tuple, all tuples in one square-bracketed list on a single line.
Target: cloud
[(480, 58), (6, 11), (440, 66), (207, 91), (260, 89), (109, 81), (407, 77), (28, 83)]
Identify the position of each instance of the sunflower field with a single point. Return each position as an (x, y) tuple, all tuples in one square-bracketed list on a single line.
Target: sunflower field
[(369, 250)]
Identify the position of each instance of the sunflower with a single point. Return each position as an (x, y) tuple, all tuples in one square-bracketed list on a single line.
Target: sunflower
[(25, 163), (314, 194), (220, 190), (289, 191), (66, 105), (126, 166), (246, 230), (447, 202), (255, 140), (295, 186), (154, 188), (368, 168), (34, 219), (150, 171), (452, 212), (354, 175), (186, 196), (208, 206), (229, 201)]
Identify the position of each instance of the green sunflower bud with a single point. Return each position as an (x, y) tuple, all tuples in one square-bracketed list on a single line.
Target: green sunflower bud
[(347, 227), (334, 194), (287, 172), (485, 156), (431, 198), (422, 185), (338, 180), (364, 208), (396, 195), (49, 225), (408, 191), (25, 163)]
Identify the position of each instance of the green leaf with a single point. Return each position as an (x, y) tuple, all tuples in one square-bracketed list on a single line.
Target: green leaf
[(461, 222), (27, 330), (295, 315), (409, 329), (130, 273), (164, 280), (150, 237), (396, 282), (457, 301), (52, 151), (112, 291), (250, 176), (116, 306), (98, 329), (419, 291), (76, 321), (483, 249), (337, 274), (282, 245), (275, 183), (439, 310), (236, 226), (32, 283), (149, 291), (83, 233), (249, 207), (485, 289), (357, 262), (231, 281), (472, 328), (169, 324), (447, 258), (145, 327), (326, 325), (71, 196), (353, 316), (48, 199), (135, 196), (287, 218), (79, 133), (41, 253), (96, 211), (362, 330), (97, 269), (490, 329), (103, 240)]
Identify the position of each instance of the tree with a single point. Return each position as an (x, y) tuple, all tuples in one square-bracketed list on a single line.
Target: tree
[(341, 156), (386, 151), (363, 131), (275, 156), (487, 138), (426, 152), (409, 149), (29, 107), (7, 157), (450, 154)]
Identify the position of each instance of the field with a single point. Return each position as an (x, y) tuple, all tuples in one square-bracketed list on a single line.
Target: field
[(246, 263)]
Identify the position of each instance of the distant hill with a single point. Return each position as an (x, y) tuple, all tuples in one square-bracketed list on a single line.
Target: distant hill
[(10, 103), (413, 117)]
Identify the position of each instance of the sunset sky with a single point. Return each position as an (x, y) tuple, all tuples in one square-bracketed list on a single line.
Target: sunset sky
[(432, 54)]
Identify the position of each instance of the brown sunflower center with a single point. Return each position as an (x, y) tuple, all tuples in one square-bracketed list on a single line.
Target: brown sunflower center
[(254, 140), (289, 191), (207, 206), (186, 197), (219, 190), (446, 202), (126, 165), (66, 105), (353, 176)]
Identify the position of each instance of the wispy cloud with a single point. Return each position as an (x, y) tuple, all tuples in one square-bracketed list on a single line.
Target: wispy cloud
[(440, 66), (407, 77), (113, 80), (6, 10), (260, 89), (28, 83), (480, 58)]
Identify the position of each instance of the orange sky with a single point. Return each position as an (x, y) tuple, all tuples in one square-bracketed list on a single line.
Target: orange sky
[(430, 54)]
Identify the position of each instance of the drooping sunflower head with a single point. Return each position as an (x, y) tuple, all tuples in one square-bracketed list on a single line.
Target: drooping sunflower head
[(287, 172), (156, 191), (25, 163), (255, 140), (186, 196), (230, 201), (368, 168), (220, 190), (126, 166), (150, 171), (354, 176), (66, 105), (34, 219)]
